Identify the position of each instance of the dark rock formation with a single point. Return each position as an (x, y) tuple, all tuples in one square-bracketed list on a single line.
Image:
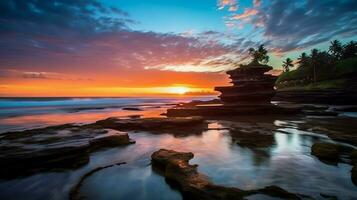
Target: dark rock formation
[(231, 110), (56, 147), (131, 109), (344, 95), (353, 157), (194, 185), (322, 96), (175, 125), (250, 85), (250, 94), (198, 102), (341, 129), (354, 175), (252, 139), (325, 151)]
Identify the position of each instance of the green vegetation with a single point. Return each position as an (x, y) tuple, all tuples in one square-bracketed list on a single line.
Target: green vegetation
[(321, 69), (259, 55), (287, 64)]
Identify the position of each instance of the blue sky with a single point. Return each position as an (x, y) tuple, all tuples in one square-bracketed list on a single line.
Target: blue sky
[(197, 16), (173, 16)]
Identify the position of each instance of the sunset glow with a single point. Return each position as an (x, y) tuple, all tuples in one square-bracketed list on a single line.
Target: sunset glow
[(178, 90)]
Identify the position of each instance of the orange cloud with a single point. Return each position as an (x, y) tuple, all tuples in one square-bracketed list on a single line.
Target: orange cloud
[(246, 14), (231, 4), (257, 3)]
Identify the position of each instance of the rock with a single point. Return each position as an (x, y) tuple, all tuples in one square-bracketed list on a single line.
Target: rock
[(110, 139), (354, 175), (326, 151), (341, 129), (346, 109), (231, 110), (320, 113), (194, 185), (175, 125), (252, 138), (132, 109), (346, 96), (250, 85), (198, 102), (57, 147), (353, 157)]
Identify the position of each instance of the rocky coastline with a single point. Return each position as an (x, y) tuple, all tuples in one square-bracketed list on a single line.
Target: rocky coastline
[(68, 146), (194, 185)]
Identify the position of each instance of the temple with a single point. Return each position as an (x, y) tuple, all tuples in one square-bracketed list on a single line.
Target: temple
[(250, 85), (250, 94)]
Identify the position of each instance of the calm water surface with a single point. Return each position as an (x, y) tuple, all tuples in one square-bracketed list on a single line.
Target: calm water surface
[(287, 163)]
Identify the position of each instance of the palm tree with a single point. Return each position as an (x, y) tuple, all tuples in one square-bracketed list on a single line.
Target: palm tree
[(303, 60), (259, 55), (314, 61), (287, 64), (336, 49), (350, 50)]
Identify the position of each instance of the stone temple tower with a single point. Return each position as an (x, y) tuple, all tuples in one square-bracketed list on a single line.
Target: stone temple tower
[(250, 85)]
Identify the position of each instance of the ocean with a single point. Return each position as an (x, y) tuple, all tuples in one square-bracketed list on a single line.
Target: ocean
[(23, 113)]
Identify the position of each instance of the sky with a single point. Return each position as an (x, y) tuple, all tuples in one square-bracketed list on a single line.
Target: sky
[(154, 47)]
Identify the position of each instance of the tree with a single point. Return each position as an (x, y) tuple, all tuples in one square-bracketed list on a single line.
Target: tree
[(350, 50), (314, 61), (303, 60), (287, 64), (259, 55), (336, 49)]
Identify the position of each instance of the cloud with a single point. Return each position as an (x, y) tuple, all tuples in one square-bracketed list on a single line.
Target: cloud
[(289, 26), (299, 25), (34, 75), (83, 35), (231, 4), (246, 14)]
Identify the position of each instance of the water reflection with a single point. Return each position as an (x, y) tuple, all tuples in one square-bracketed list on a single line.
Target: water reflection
[(88, 116), (129, 182), (286, 163)]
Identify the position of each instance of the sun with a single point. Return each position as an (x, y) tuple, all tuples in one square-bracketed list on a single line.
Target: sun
[(178, 90)]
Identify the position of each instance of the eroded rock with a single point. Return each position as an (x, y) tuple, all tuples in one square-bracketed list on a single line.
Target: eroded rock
[(175, 125), (354, 175), (252, 139), (56, 147), (194, 185), (326, 151), (341, 129), (132, 109), (353, 157)]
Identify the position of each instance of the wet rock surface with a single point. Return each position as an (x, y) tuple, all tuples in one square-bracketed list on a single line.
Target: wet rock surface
[(53, 148), (131, 109), (341, 129), (175, 125), (353, 157), (326, 151), (175, 167), (347, 96), (231, 110), (334, 153), (354, 174), (253, 135)]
